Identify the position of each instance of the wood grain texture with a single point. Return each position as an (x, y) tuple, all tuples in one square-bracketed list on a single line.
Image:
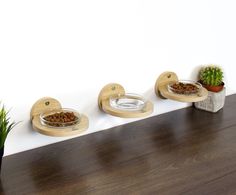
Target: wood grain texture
[(188, 151)]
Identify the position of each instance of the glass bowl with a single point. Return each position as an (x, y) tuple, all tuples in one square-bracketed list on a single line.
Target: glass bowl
[(60, 118), (128, 102), (184, 87)]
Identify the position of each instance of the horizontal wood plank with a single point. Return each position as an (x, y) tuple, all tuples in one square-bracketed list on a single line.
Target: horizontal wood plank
[(187, 151)]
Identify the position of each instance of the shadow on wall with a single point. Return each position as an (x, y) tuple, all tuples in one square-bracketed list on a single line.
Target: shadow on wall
[(194, 74), (30, 128), (150, 94), (105, 120)]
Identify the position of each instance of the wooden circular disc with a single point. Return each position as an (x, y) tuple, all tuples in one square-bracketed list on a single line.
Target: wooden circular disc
[(108, 91), (60, 132), (147, 110), (164, 78), (44, 104), (202, 95)]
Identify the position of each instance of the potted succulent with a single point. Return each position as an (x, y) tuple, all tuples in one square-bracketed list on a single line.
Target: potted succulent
[(211, 77), (5, 127)]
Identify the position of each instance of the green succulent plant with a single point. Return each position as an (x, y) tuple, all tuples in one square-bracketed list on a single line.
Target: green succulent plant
[(5, 125), (211, 75)]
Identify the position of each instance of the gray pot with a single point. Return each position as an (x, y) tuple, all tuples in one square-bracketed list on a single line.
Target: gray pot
[(213, 103)]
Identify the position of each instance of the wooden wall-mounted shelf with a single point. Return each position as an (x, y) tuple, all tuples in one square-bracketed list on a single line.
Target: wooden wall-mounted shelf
[(161, 89), (48, 104), (116, 90)]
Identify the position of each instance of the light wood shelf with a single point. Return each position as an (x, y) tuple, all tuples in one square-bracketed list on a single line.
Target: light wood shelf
[(48, 104), (161, 89), (114, 89)]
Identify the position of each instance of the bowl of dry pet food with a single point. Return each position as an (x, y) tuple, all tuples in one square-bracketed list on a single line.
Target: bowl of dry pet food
[(184, 87), (60, 118)]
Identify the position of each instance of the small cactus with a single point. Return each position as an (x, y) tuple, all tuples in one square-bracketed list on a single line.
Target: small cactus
[(211, 75)]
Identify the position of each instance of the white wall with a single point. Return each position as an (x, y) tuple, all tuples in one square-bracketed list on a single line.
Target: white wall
[(70, 49)]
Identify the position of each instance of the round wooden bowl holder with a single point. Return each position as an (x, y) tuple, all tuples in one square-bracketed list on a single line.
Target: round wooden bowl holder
[(48, 104), (161, 89), (114, 89)]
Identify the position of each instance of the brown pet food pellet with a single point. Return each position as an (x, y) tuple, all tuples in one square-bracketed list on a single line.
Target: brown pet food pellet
[(184, 88), (61, 119)]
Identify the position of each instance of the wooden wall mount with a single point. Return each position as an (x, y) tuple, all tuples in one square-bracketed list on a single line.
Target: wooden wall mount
[(163, 79), (68, 131), (109, 90), (46, 104), (161, 89), (114, 89), (43, 105)]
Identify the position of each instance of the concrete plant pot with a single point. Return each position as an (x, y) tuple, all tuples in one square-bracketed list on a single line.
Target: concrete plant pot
[(214, 102)]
